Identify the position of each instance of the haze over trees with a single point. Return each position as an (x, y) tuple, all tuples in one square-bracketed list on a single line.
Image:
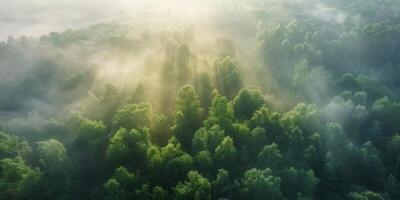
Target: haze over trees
[(267, 99)]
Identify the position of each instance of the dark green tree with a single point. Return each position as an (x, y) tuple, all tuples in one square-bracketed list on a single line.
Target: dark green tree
[(225, 154), (299, 183), (18, 180), (187, 116), (229, 79), (260, 184), (129, 148), (208, 139), (196, 187), (122, 185), (54, 163), (270, 157), (246, 103), (131, 116), (220, 113)]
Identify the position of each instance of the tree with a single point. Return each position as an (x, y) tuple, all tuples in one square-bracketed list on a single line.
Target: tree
[(122, 185), (187, 116), (269, 121), (366, 195), (299, 183), (388, 114), (360, 98), (225, 153), (11, 146), (207, 139), (52, 155), (203, 162), (133, 116), (297, 144), (392, 187), (259, 139), (91, 134), (17, 179), (392, 155), (260, 184), (371, 166), (348, 82), (314, 84), (105, 105), (197, 187), (270, 157), (304, 116), (88, 154), (159, 132), (229, 80), (223, 186), (220, 113), (129, 148), (204, 89), (246, 103), (170, 164), (73, 80), (54, 163), (159, 193)]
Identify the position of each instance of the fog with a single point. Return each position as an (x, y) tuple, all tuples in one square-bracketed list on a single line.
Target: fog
[(38, 17), (310, 84)]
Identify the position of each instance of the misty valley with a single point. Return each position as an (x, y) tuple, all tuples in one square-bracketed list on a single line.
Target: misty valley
[(200, 100)]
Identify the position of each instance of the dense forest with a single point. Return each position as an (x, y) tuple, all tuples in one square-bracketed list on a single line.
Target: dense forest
[(247, 99)]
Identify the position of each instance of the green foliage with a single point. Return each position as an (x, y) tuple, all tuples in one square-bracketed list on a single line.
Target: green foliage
[(299, 183), (387, 113), (73, 80), (204, 89), (229, 79), (133, 116), (11, 146), (90, 113), (225, 153), (16, 178), (246, 102), (52, 154), (392, 154), (269, 121), (203, 162), (220, 113), (270, 157), (196, 187), (367, 195), (90, 133), (170, 164), (304, 116), (208, 139), (121, 185), (159, 132), (260, 184), (187, 116), (129, 147), (223, 186)]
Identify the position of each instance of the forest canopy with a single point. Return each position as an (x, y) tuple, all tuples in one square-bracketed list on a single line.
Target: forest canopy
[(247, 99)]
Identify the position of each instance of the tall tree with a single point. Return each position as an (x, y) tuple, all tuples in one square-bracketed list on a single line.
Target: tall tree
[(220, 113), (197, 187), (187, 116), (260, 184), (229, 79), (129, 148), (246, 103)]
